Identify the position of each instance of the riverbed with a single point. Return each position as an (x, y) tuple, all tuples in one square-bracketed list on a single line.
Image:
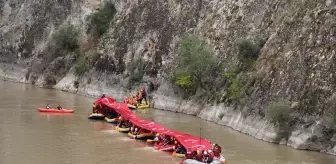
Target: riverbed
[(30, 137)]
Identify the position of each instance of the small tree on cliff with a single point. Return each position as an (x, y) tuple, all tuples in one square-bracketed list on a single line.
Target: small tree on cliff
[(67, 37), (196, 67), (99, 21)]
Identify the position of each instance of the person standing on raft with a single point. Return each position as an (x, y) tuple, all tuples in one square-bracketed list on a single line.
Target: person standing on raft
[(143, 95)]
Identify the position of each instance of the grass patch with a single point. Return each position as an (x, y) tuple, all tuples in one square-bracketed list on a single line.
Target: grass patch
[(67, 37), (99, 21)]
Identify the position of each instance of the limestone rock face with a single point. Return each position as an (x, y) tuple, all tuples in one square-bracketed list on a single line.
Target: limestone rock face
[(296, 63)]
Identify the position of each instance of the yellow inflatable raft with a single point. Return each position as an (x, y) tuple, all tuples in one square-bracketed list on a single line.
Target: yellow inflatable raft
[(143, 105), (111, 120), (124, 130), (96, 116), (141, 136), (178, 155)]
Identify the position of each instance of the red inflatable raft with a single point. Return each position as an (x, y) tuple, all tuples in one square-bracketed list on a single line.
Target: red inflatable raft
[(56, 110)]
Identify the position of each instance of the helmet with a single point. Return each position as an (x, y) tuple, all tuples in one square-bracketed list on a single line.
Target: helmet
[(198, 151), (157, 135), (205, 152), (175, 142), (209, 151)]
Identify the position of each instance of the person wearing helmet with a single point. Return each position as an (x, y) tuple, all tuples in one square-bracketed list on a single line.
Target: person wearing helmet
[(103, 95), (157, 137), (198, 155), (126, 100), (48, 106)]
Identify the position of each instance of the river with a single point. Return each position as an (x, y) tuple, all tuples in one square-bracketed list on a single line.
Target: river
[(30, 137)]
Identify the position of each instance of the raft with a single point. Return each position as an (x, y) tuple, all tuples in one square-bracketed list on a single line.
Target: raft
[(164, 148), (111, 120), (141, 136), (178, 155), (56, 110), (143, 105), (124, 130), (96, 116)]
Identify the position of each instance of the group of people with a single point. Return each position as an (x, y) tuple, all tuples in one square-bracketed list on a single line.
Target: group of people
[(206, 156), (59, 107), (137, 99)]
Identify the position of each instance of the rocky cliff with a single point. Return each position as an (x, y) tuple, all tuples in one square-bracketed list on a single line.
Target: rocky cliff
[(295, 62)]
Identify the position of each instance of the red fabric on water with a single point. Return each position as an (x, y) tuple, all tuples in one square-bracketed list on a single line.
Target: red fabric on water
[(191, 143), (104, 100)]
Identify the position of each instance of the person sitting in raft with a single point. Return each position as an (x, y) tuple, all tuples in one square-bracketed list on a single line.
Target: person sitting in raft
[(126, 100), (59, 107), (157, 137), (206, 157), (216, 149), (134, 130), (48, 106), (166, 140), (197, 155), (179, 148), (135, 102), (93, 108), (103, 95)]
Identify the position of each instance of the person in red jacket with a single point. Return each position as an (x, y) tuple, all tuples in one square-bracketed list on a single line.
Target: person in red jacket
[(198, 155), (143, 95)]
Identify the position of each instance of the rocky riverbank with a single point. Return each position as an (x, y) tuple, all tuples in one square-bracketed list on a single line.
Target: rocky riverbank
[(163, 98)]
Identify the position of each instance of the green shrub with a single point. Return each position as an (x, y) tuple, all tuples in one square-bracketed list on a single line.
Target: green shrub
[(67, 37), (196, 67), (278, 113), (248, 50), (99, 21), (138, 73), (184, 80), (135, 78), (81, 65), (331, 113), (237, 85)]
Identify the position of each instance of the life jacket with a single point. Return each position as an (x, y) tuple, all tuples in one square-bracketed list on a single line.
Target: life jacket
[(143, 92), (135, 101), (217, 149), (199, 157)]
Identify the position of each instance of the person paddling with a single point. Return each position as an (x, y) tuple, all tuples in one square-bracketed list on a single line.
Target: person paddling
[(48, 106), (59, 107)]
